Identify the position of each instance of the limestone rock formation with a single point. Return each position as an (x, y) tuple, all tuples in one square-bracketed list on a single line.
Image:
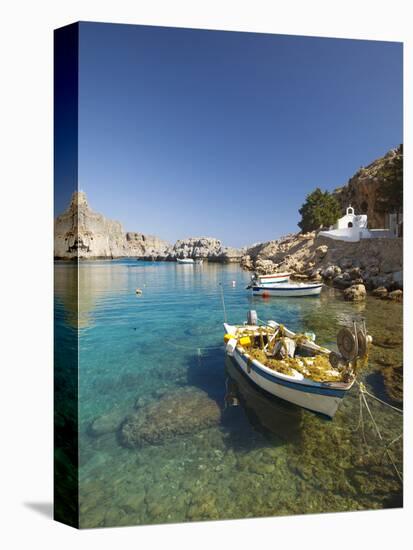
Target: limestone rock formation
[(151, 246), (380, 292), (373, 262), (396, 295), (196, 247), (246, 262), (207, 248), (361, 191), (355, 293), (226, 255), (80, 232)]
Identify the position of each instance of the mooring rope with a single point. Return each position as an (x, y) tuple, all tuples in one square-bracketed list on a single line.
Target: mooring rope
[(380, 401), (361, 420), (223, 302), (362, 399), (191, 348)]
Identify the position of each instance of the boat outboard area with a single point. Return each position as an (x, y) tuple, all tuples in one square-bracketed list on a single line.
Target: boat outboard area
[(293, 367)]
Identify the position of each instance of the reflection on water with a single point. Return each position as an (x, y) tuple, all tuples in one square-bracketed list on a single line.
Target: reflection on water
[(264, 457), (277, 419)]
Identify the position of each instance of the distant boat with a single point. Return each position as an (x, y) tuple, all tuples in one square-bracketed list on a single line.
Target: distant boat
[(288, 289), (185, 260), (270, 279), (199, 261)]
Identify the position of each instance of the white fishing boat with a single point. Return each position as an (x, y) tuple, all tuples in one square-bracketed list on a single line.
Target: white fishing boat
[(199, 261), (185, 260), (288, 289), (292, 367), (269, 279)]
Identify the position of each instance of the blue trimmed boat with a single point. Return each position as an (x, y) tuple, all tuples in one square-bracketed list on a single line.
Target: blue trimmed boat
[(323, 397), (288, 289)]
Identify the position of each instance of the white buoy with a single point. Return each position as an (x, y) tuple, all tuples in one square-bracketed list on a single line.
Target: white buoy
[(138, 291), (234, 283)]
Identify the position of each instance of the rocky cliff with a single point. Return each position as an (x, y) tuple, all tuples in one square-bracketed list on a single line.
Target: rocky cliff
[(362, 189), (375, 263), (141, 245), (198, 247), (80, 232)]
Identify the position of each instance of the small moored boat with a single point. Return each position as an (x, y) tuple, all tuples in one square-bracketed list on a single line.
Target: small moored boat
[(293, 367), (185, 260), (269, 279), (288, 289)]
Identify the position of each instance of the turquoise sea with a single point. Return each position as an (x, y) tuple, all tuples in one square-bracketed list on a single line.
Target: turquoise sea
[(260, 456)]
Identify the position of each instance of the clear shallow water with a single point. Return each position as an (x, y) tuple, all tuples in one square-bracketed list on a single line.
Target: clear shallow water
[(263, 457)]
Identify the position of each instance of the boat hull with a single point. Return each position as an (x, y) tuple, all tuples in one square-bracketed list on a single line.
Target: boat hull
[(315, 397), (185, 261), (287, 290)]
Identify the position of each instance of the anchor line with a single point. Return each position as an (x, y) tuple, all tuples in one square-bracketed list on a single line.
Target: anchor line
[(362, 399), (223, 302), (190, 348)]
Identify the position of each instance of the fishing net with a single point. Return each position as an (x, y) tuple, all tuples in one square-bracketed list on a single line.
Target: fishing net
[(271, 347)]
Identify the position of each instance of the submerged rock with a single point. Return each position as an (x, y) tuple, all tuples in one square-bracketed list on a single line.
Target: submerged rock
[(380, 292), (355, 293), (106, 423), (396, 295), (183, 411), (393, 382)]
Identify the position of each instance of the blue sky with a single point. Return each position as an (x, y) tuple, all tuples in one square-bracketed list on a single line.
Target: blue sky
[(208, 133)]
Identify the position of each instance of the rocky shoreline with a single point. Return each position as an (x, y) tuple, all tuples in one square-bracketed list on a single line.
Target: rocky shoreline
[(368, 265), (354, 267)]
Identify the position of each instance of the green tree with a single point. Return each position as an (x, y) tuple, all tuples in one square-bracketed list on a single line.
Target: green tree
[(390, 191), (321, 209)]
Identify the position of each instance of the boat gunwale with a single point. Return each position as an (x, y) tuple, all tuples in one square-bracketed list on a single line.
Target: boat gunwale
[(274, 275)]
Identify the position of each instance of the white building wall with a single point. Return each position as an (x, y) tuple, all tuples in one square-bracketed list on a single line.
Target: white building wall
[(352, 228)]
